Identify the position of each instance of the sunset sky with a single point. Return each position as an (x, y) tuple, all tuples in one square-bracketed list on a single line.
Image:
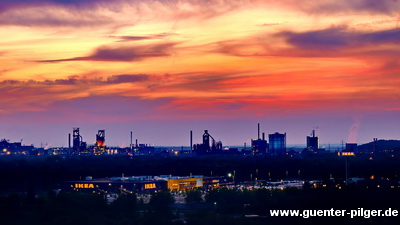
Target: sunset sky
[(161, 68)]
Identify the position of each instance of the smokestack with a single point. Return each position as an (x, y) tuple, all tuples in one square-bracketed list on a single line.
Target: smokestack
[(131, 141), (191, 141), (263, 136), (245, 145), (258, 131), (136, 143), (69, 140)]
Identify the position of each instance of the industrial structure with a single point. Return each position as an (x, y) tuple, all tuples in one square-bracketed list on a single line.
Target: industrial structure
[(209, 146), (351, 147), (312, 141), (313, 145), (143, 149), (259, 146), (277, 143), (100, 144), (205, 148), (11, 148), (78, 145)]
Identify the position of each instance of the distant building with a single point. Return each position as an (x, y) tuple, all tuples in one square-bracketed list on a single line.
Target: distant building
[(312, 142), (351, 147), (144, 184), (259, 146), (313, 146), (78, 145), (277, 143), (99, 147), (10, 148), (205, 148), (117, 185), (143, 149)]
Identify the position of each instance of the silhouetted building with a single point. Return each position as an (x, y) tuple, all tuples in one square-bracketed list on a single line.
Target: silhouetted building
[(9, 148), (277, 143), (231, 151), (313, 146), (143, 149), (259, 146), (205, 148), (312, 141), (78, 146), (351, 147)]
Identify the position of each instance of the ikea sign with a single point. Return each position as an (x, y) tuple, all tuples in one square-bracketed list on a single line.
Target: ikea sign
[(84, 185)]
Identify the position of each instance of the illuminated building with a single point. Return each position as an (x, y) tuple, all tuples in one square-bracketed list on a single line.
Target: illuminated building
[(215, 182), (100, 144), (185, 183), (117, 185), (135, 184), (143, 149), (345, 153), (277, 143), (11, 148), (143, 184)]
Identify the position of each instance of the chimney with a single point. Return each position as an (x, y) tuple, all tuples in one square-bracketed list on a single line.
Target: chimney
[(69, 140), (191, 141), (131, 140)]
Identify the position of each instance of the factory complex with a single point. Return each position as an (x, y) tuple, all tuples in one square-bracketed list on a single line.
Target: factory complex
[(273, 144)]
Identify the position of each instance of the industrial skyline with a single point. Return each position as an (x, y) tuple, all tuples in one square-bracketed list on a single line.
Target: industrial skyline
[(272, 143), (162, 68)]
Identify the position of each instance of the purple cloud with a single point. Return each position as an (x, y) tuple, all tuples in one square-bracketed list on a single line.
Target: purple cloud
[(339, 37), (328, 39), (141, 38), (127, 78), (6, 5), (91, 13), (75, 80), (123, 54), (389, 7)]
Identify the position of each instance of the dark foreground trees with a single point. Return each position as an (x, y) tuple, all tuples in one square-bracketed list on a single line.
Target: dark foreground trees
[(193, 196), (221, 206)]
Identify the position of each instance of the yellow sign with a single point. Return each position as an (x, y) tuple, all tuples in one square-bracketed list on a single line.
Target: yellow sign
[(347, 154), (84, 186), (150, 186)]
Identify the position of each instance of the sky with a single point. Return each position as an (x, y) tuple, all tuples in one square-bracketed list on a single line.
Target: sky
[(161, 68)]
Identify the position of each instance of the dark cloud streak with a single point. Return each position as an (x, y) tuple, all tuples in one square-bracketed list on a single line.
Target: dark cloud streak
[(388, 7), (339, 37), (123, 53), (75, 80), (141, 38)]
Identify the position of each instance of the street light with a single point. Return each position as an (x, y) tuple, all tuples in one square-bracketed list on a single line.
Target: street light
[(230, 175)]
